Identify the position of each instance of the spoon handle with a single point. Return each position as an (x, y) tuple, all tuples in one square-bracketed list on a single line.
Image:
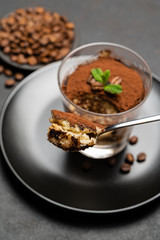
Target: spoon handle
[(133, 123)]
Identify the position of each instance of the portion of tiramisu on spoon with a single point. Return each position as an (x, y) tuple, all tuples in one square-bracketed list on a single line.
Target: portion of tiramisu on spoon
[(73, 133)]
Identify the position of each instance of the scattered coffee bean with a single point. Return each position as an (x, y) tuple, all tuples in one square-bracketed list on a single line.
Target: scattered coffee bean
[(133, 140), (87, 165), (141, 157), (129, 158), (8, 72), (1, 69), (10, 82), (125, 168), (18, 76)]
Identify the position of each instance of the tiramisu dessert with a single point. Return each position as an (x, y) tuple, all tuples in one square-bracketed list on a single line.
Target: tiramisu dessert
[(95, 91), (104, 85), (71, 132)]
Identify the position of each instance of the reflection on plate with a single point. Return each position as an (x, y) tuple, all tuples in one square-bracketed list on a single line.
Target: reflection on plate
[(58, 176)]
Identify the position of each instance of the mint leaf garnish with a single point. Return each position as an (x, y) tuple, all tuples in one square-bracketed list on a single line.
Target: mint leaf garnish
[(97, 74), (114, 89), (103, 77)]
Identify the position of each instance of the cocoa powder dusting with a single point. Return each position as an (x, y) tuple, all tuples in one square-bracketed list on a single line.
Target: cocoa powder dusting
[(75, 119), (131, 82)]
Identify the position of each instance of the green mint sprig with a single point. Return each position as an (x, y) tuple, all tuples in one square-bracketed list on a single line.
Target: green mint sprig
[(103, 77)]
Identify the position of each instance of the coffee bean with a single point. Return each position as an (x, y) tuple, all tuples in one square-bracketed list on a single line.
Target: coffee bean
[(18, 76), (44, 41), (129, 158), (133, 140), (1, 69), (13, 58), (87, 165), (70, 25), (45, 60), (66, 43), (70, 35), (39, 10), (8, 72), (97, 86), (56, 28), (11, 20), (4, 43), (32, 60), (16, 50), (29, 51), (7, 50), (125, 168), (21, 59), (141, 157), (10, 82), (62, 52)]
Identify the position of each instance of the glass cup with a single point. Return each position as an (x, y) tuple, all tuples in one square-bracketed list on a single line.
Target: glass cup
[(113, 142)]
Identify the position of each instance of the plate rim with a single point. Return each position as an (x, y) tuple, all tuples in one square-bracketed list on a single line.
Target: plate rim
[(64, 206)]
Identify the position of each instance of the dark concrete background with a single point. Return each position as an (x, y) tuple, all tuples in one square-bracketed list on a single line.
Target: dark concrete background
[(135, 24)]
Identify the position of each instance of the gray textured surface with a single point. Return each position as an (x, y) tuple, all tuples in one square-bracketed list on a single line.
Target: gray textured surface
[(23, 215)]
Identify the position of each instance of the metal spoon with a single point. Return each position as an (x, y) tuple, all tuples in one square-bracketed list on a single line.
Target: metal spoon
[(132, 123)]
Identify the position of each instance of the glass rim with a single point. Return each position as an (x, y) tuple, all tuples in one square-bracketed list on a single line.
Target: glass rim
[(107, 44)]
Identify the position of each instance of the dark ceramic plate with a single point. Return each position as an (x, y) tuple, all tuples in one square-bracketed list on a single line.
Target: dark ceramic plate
[(58, 176)]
